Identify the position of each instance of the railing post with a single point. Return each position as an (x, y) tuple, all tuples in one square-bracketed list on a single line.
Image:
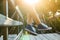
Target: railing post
[(5, 10), (5, 33)]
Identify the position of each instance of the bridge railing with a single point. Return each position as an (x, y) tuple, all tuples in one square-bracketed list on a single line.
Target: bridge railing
[(19, 35)]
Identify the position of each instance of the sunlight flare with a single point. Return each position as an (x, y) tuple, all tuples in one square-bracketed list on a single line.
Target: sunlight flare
[(30, 2)]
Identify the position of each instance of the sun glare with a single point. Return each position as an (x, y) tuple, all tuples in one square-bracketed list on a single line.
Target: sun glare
[(30, 2)]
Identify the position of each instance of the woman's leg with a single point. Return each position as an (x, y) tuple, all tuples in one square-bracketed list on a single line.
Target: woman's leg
[(40, 26), (29, 19), (29, 26), (35, 16)]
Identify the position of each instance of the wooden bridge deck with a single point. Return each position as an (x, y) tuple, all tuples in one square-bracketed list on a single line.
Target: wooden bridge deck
[(10, 37), (53, 36), (50, 36)]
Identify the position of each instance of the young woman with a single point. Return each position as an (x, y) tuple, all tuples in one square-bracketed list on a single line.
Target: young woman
[(32, 16)]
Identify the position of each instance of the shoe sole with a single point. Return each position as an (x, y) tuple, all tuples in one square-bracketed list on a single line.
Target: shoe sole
[(31, 32), (49, 28)]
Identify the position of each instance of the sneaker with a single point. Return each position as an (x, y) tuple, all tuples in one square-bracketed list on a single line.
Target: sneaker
[(31, 29), (43, 26)]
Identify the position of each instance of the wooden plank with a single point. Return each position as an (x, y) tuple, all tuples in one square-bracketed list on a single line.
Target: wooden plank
[(19, 35), (8, 22), (47, 37), (10, 37), (5, 33), (57, 35), (1, 38), (42, 37), (52, 36), (24, 37), (32, 37), (4, 7), (37, 38)]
